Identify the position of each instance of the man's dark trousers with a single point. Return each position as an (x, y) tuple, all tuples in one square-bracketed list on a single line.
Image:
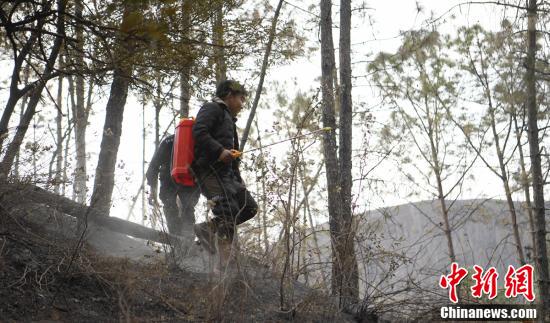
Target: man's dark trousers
[(232, 203), (178, 221)]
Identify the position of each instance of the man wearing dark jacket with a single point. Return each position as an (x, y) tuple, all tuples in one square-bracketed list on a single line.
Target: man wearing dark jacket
[(177, 220), (216, 167)]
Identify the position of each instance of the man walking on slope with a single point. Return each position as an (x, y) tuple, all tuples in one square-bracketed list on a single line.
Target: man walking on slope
[(216, 168), (178, 220)]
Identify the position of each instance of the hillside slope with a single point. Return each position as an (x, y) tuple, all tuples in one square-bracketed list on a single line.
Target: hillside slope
[(402, 251), (45, 275)]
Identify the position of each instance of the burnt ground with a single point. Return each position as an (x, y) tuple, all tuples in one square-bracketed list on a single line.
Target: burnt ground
[(45, 276)]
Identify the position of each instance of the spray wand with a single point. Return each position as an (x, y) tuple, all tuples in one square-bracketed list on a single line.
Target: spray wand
[(235, 153)]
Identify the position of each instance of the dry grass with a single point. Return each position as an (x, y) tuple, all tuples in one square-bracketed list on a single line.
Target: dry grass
[(46, 277)]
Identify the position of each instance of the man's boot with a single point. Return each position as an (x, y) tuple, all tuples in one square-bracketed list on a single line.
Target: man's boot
[(227, 241), (206, 232), (227, 255)]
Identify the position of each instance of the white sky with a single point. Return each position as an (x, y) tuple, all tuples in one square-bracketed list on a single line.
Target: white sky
[(379, 32)]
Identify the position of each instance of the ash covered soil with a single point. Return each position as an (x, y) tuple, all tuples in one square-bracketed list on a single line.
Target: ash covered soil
[(47, 276)]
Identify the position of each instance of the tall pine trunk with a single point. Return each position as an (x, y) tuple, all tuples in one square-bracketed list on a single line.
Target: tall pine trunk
[(59, 132), (218, 38), (349, 291), (536, 169), (506, 183), (185, 73), (26, 74), (112, 129), (329, 145), (185, 91), (80, 113), (447, 229), (525, 185), (64, 177), (143, 169)]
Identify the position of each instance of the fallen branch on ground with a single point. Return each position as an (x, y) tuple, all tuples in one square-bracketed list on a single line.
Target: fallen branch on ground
[(14, 194)]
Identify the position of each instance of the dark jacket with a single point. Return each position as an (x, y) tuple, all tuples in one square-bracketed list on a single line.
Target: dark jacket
[(213, 131), (159, 167)]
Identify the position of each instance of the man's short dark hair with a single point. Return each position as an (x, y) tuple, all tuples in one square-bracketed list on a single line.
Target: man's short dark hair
[(229, 87)]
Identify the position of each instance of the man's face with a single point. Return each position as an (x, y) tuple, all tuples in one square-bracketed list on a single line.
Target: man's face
[(235, 103)]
